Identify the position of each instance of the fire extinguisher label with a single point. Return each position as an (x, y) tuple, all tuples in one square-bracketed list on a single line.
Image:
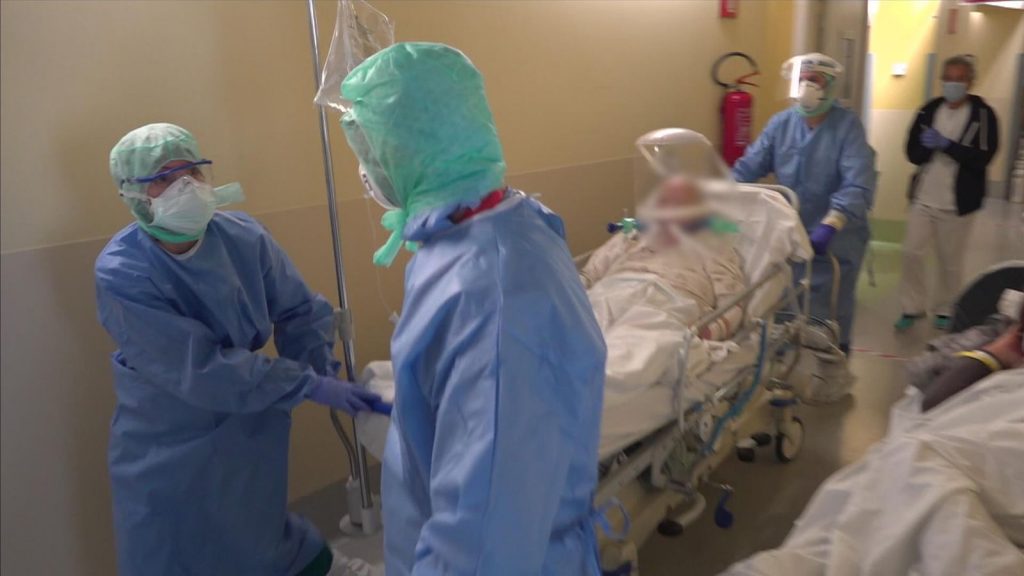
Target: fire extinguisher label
[(742, 126)]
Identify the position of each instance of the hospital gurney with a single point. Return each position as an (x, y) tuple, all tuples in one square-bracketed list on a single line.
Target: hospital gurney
[(678, 438), (655, 481)]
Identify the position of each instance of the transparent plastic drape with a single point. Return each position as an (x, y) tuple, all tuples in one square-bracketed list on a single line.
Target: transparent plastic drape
[(359, 32), (678, 153)]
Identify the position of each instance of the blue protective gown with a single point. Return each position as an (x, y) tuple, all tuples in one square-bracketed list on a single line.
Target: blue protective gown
[(829, 167), (491, 460), (199, 439)]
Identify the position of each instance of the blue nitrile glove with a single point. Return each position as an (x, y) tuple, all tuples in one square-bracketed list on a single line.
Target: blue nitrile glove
[(821, 237), (382, 407), (342, 395), (932, 138)]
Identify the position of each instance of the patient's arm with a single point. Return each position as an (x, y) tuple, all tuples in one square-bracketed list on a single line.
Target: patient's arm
[(601, 260), (723, 267), (961, 373), (1003, 353)]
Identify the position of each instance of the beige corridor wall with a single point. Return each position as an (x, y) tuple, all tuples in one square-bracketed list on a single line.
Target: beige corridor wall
[(571, 83), (901, 32)]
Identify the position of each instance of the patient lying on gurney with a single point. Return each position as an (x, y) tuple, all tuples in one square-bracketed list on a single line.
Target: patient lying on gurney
[(649, 287), (940, 495), (682, 251)]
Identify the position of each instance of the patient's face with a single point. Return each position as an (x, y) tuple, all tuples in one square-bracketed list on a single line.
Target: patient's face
[(678, 192), (682, 195)]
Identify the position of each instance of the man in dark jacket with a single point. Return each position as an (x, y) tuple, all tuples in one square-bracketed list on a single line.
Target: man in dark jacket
[(952, 140)]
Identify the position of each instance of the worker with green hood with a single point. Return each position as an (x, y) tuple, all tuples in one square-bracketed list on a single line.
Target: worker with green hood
[(491, 462)]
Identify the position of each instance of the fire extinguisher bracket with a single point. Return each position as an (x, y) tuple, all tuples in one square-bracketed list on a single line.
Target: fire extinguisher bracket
[(740, 80)]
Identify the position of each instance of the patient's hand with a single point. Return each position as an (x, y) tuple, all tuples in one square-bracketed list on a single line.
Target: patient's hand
[(1007, 348)]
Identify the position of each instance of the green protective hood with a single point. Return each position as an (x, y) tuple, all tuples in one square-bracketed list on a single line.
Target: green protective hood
[(419, 114)]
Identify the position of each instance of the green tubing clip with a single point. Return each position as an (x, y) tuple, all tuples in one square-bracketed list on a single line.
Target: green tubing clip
[(720, 225), (625, 226)]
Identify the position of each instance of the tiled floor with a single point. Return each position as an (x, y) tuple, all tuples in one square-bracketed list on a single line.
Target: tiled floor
[(769, 495)]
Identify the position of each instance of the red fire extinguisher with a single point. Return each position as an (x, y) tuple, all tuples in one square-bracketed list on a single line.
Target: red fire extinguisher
[(737, 109)]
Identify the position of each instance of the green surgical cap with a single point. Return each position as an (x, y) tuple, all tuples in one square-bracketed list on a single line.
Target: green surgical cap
[(143, 151), (423, 120)]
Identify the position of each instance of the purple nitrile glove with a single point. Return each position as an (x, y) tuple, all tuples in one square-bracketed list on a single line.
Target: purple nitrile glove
[(342, 395), (932, 138), (821, 237)]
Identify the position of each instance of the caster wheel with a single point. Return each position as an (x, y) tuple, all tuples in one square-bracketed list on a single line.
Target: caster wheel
[(762, 438), (746, 454), (670, 528), (723, 518), (789, 440)]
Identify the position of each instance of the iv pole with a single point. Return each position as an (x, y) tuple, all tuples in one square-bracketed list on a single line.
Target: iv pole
[(367, 515)]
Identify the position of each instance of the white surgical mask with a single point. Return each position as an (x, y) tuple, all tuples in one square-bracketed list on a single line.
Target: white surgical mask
[(187, 205), (954, 91), (810, 98)]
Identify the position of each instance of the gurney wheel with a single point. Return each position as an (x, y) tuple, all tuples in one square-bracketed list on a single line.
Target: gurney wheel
[(670, 528), (789, 440)]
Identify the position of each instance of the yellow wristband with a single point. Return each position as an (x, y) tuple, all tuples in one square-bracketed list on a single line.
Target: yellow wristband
[(835, 219), (983, 357)]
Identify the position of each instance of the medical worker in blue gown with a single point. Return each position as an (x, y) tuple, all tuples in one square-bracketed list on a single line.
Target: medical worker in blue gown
[(199, 439), (819, 150), (491, 460)]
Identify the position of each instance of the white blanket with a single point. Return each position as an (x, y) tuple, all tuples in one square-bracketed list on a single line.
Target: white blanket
[(941, 494), (646, 343), (645, 324)]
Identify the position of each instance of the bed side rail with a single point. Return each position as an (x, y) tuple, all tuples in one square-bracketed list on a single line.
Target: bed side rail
[(785, 192), (739, 298), (655, 449)]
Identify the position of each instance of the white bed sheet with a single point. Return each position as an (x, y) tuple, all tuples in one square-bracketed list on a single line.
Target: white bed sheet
[(770, 232), (941, 495), (645, 323), (622, 423), (628, 420)]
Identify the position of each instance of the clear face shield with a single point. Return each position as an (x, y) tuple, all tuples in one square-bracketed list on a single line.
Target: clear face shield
[(679, 188), (813, 82), (375, 180)]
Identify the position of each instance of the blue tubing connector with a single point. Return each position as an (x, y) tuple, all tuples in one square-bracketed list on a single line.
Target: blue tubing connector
[(626, 226), (782, 402), (723, 517)]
